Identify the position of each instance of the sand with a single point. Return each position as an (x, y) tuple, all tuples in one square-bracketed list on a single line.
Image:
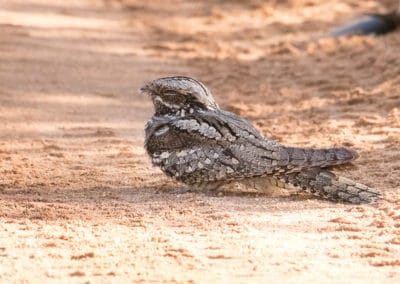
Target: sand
[(79, 199)]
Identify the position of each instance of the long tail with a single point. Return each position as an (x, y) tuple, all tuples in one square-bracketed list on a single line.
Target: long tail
[(326, 184), (300, 158)]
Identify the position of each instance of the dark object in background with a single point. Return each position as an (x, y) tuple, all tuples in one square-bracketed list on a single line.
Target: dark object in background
[(372, 25)]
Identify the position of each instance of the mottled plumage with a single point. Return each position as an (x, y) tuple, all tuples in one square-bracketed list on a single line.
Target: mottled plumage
[(199, 144)]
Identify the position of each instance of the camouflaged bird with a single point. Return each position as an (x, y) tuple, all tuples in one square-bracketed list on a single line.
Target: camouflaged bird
[(194, 141)]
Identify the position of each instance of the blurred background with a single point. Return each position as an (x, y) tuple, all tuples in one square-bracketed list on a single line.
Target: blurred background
[(74, 175)]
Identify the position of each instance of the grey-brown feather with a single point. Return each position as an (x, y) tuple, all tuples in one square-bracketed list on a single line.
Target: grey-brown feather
[(197, 143)]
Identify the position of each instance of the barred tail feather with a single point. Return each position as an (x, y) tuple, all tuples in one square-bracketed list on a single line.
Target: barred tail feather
[(327, 185), (307, 157)]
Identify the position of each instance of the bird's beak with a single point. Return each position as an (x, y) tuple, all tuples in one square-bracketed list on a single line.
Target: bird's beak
[(145, 90)]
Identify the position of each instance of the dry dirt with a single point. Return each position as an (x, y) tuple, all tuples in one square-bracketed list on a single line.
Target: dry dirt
[(79, 200)]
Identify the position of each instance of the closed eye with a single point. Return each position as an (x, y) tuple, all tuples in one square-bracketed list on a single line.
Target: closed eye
[(174, 97), (170, 92)]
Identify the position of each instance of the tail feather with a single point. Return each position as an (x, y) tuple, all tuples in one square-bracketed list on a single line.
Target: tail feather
[(307, 157), (327, 185)]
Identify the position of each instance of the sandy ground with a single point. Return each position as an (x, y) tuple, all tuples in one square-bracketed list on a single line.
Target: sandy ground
[(79, 200)]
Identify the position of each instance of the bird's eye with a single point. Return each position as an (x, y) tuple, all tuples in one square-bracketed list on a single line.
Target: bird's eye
[(169, 93), (173, 97)]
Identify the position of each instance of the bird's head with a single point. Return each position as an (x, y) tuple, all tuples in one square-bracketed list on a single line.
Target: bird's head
[(179, 95)]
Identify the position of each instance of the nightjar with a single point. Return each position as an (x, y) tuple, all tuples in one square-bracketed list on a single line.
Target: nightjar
[(194, 141)]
